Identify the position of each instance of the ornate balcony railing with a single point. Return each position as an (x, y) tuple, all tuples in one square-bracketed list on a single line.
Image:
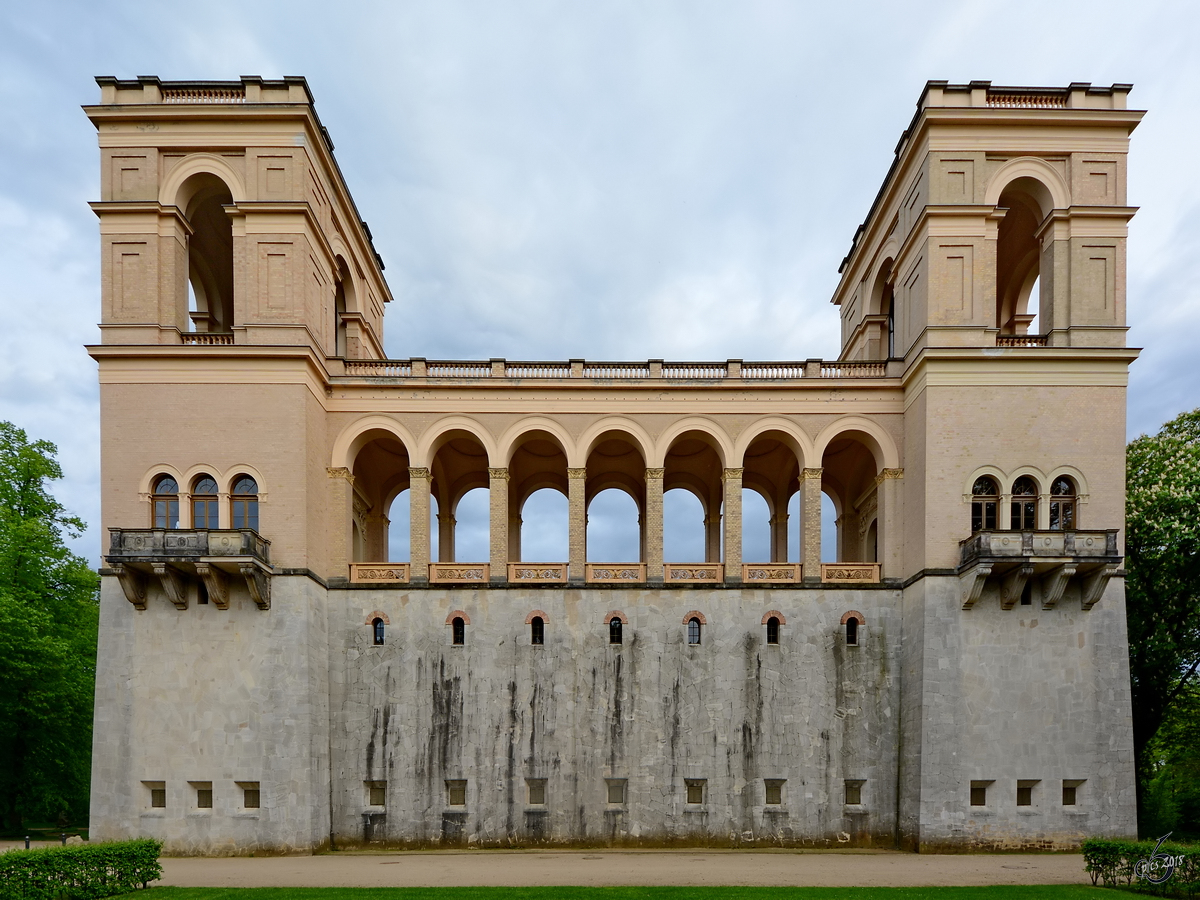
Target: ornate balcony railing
[(850, 573), (1051, 558), (177, 556), (1020, 340), (693, 573), (615, 573), (379, 573), (772, 573), (459, 573)]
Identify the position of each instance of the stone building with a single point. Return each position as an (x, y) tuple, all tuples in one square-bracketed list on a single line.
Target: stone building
[(269, 679)]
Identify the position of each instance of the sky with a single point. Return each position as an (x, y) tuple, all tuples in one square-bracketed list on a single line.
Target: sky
[(612, 180)]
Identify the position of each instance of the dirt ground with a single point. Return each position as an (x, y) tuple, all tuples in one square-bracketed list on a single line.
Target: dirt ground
[(651, 867)]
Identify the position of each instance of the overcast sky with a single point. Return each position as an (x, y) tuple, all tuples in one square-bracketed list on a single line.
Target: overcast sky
[(606, 180)]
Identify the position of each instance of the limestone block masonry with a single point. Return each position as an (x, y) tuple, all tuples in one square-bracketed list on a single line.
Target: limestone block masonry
[(275, 675)]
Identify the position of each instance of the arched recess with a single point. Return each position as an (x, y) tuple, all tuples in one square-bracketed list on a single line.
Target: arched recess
[(881, 313), (771, 462), (345, 301), (537, 461), (459, 465), (203, 199), (380, 469), (854, 453), (694, 459), (1051, 192), (615, 461)]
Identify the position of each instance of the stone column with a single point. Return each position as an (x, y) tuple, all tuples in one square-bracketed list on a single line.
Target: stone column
[(712, 534), (891, 523), (377, 537), (810, 523), (732, 479), (419, 480), (341, 518), (577, 523), (446, 522), (498, 523), (654, 525)]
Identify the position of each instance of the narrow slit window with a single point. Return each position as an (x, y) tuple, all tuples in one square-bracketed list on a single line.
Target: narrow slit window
[(204, 503), (773, 630), (377, 626), (537, 630), (614, 630), (852, 624), (166, 502), (985, 501), (458, 630), (245, 503), (693, 630)]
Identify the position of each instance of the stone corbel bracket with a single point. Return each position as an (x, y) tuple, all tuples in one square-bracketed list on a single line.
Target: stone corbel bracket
[(1013, 585), (173, 582), (215, 582), (132, 582), (1054, 583), (972, 582), (1095, 583), (258, 582)]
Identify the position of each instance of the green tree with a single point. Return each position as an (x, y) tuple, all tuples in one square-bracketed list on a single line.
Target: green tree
[(1162, 547), (49, 611)]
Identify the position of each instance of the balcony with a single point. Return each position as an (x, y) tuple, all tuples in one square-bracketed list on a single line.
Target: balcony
[(1052, 559), (175, 557)]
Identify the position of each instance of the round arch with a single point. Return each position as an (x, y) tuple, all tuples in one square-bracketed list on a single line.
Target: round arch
[(883, 269), (707, 429), (225, 482), (442, 431), (199, 164), (512, 438), (791, 434), (361, 432), (612, 426), (1055, 193), (1038, 476), (146, 483), (878, 441), (991, 471), (1082, 491)]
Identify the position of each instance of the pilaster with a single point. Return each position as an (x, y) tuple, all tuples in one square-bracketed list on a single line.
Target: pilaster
[(498, 523), (577, 523), (810, 523), (654, 525), (732, 480), (419, 479)]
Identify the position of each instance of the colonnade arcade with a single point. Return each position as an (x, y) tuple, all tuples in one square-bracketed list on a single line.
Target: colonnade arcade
[(852, 462)]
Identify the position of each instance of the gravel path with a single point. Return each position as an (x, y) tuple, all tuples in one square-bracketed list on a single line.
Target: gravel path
[(604, 867)]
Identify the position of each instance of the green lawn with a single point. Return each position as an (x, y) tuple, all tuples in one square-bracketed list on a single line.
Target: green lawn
[(1002, 892)]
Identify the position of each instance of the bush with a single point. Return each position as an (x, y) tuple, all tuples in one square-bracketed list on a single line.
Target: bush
[(79, 872), (1114, 863)]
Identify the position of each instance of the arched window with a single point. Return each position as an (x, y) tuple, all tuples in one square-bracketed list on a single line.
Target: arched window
[(166, 502), (772, 630), (537, 630), (1062, 504), (985, 500), (459, 630), (1024, 504), (377, 625), (614, 630), (852, 624), (245, 503), (693, 630), (204, 503)]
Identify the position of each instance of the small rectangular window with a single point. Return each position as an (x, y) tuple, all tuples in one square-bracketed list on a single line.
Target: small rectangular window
[(695, 789), (979, 793), (1070, 792), (158, 794), (1025, 792), (853, 787), (774, 788), (537, 791), (203, 794), (456, 792), (376, 793), (250, 794), (616, 790)]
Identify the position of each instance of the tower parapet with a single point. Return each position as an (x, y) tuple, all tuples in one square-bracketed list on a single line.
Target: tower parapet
[(224, 219), (995, 192)]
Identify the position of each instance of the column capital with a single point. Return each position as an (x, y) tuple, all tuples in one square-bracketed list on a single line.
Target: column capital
[(494, 473), (340, 472), (811, 473), (886, 474), (577, 473), (732, 473), (418, 472), (655, 472)]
